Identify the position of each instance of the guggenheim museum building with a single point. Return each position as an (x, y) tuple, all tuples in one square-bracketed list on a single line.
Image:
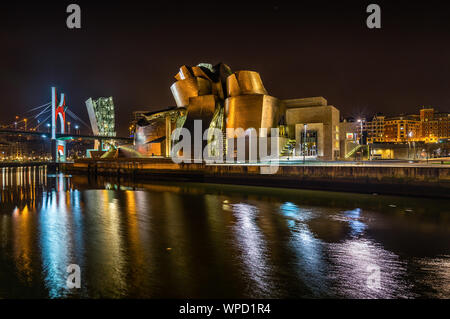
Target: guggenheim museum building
[(221, 99)]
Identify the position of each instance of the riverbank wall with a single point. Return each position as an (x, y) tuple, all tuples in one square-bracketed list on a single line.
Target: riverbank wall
[(425, 181)]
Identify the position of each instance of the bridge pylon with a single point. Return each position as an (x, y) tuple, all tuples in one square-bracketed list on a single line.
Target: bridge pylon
[(58, 113)]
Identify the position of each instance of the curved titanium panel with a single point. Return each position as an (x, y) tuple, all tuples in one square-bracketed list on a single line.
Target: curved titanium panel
[(253, 111), (184, 89), (245, 82), (204, 86), (233, 88), (200, 108), (199, 73), (185, 73), (250, 82)]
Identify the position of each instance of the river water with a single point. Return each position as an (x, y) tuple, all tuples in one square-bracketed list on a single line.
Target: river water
[(175, 240)]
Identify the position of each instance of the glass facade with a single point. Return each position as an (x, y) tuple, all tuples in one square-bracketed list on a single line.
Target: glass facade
[(101, 115)]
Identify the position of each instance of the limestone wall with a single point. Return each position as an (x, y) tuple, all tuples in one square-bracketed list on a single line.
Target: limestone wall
[(328, 115)]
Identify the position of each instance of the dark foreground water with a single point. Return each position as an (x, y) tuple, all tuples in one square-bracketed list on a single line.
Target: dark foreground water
[(190, 240)]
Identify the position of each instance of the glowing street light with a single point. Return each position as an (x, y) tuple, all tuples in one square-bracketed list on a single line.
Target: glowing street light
[(48, 127), (361, 124), (304, 146), (410, 134)]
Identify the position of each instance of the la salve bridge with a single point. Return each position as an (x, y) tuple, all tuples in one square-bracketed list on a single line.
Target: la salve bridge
[(55, 111)]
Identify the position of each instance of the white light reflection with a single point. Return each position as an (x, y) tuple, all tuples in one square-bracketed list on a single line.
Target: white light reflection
[(4, 180), (308, 249), (54, 243), (354, 221), (349, 261), (253, 248), (78, 228)]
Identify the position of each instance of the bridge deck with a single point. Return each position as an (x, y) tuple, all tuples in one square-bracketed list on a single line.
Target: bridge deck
[(67, 136)]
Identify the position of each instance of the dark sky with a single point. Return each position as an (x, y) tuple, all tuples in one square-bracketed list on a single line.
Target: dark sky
[(132, 49)]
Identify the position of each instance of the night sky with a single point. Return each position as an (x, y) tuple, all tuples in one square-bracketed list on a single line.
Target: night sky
[(132, 49)]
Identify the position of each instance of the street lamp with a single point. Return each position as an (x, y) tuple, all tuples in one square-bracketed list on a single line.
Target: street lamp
[(410, 134), (68, 125), (48, 127), (25, 120), (304, 144), (76, 129), (361, 124)]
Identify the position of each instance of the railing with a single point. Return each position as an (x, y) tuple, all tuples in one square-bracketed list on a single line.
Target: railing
[(353, 151)]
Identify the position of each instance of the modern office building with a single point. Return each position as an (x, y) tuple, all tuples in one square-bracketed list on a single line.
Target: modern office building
[(101, 116)]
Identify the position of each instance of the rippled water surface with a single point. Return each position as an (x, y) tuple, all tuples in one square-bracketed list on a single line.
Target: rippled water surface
[(206, 241)]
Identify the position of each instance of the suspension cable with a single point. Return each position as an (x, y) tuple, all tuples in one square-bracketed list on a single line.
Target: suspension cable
[(38, 107)]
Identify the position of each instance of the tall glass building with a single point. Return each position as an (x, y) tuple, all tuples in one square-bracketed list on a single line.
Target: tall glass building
[(101, 115)]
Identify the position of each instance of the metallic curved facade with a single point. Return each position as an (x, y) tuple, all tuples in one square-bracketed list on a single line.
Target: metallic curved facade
[(253, 111), (184, 89), (220, 99), (245, 82)]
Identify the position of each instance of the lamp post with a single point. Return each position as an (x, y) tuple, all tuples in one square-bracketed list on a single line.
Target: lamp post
[(68, 127), (76, 130), (360, 121), (361, 131), (25, 120), (48, 127), (409, 143), (304, 144)]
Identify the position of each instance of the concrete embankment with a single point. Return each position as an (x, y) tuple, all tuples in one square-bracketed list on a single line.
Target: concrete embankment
[(426, 181)]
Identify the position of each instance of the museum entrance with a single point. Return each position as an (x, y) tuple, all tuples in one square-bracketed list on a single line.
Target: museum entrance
[(308, 144)]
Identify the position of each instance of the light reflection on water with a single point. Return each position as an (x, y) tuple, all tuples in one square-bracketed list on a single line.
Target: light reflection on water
[(193, 241), (252, 249)]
